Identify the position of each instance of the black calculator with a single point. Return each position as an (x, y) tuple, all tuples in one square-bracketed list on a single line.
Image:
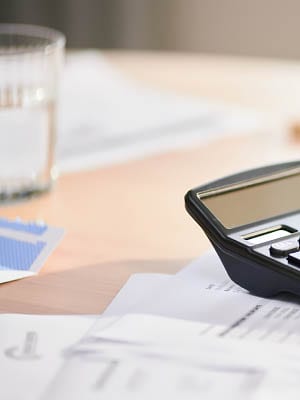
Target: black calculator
[(253, 221)]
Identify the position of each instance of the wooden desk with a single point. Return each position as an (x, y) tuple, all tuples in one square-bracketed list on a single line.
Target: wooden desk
[(131, 218)]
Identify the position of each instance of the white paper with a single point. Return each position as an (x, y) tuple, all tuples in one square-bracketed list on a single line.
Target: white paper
[(137, 286), (226, 314), (204, 293), (210, 272), (105, 117), (110, 364), (11, 275), (31, 351), (112, 375), (207, 271)]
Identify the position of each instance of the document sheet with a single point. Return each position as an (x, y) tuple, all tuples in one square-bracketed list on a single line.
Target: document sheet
[(24, 247), (190, 335), (203, 292), (112, 363), (31, 351), (106, 117)]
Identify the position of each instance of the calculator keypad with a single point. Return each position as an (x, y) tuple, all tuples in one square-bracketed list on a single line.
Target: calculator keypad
[(294, 258), (284, 248), (285, 251), (288, 250)]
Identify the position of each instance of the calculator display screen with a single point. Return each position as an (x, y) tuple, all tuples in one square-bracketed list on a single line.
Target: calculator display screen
[(254, 203)]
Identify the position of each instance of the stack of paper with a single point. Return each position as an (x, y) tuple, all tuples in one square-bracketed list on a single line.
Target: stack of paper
[(31, 351), (191, 335), (204, 293), (187, 336)]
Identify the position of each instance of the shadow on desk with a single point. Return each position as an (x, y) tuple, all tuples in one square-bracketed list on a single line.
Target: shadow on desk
[(84, 290)]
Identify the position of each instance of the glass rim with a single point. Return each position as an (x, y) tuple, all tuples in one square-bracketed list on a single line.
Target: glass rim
[(56, 38)]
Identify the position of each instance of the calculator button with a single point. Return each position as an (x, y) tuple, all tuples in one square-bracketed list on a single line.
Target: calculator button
[(294, 258), (282, 249)]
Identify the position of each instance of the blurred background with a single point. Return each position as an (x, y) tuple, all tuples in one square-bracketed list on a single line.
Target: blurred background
[(268, 28)]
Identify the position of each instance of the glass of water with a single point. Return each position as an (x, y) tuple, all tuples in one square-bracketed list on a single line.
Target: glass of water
[(31, 59)]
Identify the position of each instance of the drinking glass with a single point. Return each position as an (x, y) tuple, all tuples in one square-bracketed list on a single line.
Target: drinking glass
[(31, 59)]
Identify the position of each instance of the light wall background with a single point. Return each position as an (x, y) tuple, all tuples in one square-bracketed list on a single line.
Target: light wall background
[(268, 28)]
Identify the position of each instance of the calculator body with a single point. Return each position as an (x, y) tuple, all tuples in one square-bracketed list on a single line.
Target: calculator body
[(253, 221)]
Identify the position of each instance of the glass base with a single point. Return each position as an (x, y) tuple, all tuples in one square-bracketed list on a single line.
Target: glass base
[(15, 193)]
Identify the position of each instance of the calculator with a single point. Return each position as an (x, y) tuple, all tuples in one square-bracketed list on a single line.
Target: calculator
[(253, 221)]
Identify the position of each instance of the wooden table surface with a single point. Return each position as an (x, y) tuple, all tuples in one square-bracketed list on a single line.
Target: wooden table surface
[(130, 218)]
